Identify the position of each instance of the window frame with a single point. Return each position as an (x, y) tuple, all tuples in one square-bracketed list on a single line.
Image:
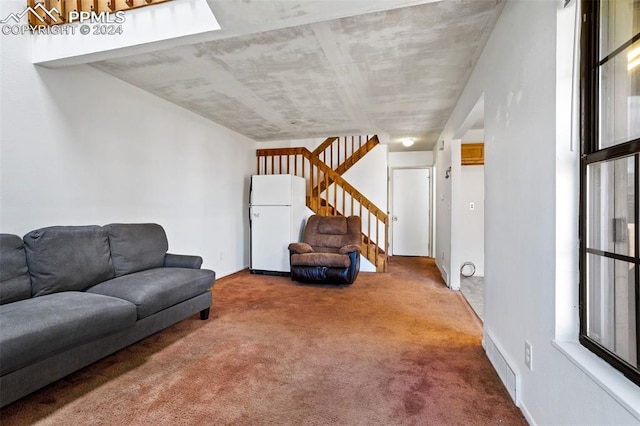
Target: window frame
[(590, 153)]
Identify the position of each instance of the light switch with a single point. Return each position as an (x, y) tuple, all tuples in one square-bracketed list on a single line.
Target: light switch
[(472, 206)]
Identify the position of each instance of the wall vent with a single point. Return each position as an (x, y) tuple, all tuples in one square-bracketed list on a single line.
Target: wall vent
[(505, 371)]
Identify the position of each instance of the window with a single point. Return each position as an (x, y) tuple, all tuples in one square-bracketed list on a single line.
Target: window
[(610, 183)]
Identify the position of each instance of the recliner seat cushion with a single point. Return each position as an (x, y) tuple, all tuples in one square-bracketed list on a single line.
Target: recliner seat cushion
[(136, 246), (157, 289), (39, 327), (67, 258), (15, 283)]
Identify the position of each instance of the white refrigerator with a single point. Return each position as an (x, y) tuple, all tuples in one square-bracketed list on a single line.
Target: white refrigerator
[(277, 211)]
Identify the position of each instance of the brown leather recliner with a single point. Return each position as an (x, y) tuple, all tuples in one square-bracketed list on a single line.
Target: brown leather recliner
[(329, 252)]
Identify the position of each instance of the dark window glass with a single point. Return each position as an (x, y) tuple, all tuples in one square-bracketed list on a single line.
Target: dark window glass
[(610, 183)]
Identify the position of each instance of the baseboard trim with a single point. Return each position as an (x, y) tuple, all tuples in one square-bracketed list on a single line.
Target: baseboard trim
[(527, 415), (443, 273), (503, 365)]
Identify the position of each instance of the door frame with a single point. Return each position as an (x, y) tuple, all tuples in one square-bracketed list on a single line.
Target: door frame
[(429, 223)]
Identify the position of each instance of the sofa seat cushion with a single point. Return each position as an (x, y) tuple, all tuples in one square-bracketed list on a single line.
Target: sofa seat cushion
[(157, 289), (321, 259), (36, 328)]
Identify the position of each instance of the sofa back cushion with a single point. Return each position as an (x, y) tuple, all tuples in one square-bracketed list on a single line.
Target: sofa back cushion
[(67, 258), (137, 246), (15, 283)]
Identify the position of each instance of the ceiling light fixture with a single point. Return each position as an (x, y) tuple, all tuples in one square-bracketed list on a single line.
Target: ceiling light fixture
[(407, 141)]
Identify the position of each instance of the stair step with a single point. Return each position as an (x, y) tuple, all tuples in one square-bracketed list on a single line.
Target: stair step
[(381, 261)]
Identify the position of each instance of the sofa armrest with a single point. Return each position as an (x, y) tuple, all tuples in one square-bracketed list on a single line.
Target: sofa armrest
[(350, 248), (182, 261), (300, 248)]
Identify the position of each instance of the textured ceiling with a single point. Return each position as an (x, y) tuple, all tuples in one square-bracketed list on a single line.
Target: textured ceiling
[(397, 71)]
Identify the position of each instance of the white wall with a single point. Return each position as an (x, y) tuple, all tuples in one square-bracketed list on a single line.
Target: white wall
[(472, 221), (78, 147), (530, 234), (310, 144), (411, 159), (473, 136), (442, 210), (143, 30), (369, 176)]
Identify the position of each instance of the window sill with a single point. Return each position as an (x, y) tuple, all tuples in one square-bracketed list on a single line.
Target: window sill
[(611, 381)]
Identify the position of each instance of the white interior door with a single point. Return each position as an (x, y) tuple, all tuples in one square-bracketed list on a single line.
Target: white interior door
[(410, 212)]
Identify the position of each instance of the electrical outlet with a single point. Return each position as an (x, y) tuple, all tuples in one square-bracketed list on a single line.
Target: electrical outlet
[(528, 355), (472, 206)]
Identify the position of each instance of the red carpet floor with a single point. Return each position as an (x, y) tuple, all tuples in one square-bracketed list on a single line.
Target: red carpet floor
[(391, 349)]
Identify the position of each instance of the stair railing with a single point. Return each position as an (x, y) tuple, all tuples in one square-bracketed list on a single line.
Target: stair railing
[(336, 151), (336, 197), (361, 151)]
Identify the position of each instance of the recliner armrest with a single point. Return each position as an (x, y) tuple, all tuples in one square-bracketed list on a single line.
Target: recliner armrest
[(350, 248), (300, 248), (182, 261)]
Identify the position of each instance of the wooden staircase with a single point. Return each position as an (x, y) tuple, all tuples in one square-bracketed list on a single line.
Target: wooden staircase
[(328, 193), (338, 165)]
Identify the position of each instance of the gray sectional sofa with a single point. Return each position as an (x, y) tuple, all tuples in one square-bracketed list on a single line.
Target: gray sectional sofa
[(70, 295)]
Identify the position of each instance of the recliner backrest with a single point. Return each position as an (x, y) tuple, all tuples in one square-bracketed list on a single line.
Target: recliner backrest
[(332, 232)]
